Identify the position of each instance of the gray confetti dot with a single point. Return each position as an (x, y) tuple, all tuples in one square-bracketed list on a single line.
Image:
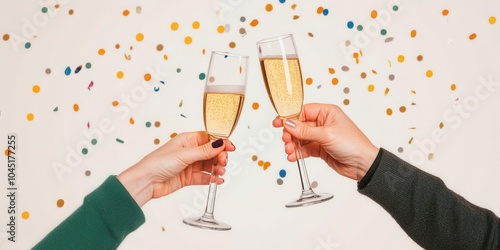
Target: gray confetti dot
[(347, 43), (279, 181), (227, 28), (345, 68), (88, 173), (389, 39), (138, 9), (243, 31), (346, 90), (391, 77), (314, 184), (243, 19), (401, 149), (48, 71)]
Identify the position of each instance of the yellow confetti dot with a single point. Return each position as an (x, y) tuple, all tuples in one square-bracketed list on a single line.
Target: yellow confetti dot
[(255, 105), (309, 81), (413, 33), (126, 12), (319, 10), (196, 25), (389, 111), (115, 103), (60, 203), (220, 29), (472, 36), (36, 88), (30, 117), (492, 20), (269, 7), (402, 109), (254, 158), (445, 12), (147, 77), (101, 51), (131, 120), (371, 88), (188, 40), (165, 57), (119, 74), (76, 107), (173, 135), (331, 70), (429, 73), (335, 81), (25, 215), (401, 58), (374, 14), (254, 22), (453, 87), (139, 37), (174, 26)]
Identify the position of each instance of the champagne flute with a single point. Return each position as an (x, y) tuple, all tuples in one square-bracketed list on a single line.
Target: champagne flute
[(280, 67), (222, 103)]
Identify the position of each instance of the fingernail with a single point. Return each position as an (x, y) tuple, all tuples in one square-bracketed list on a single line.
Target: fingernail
[(217, 144), (290, 123), (233, 146)]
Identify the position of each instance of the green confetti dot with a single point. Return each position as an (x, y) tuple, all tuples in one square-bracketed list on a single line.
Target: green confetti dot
[(178, 70), (44, 10), (202, 76), (359, 28), (56, 109), (383, 32), (88, 65), (27, 45), (119, 140), (148, 124), (94, 141), (395, 8), (85, 151)]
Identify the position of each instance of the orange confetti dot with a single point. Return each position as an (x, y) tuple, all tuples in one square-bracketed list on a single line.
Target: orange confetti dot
[(402, 109), (156, 141), (401, 58), (76, 107), (60, 203), (36, 89), (363, 75), (441, 125), (472, 36), (30, 117), (371, 88), (115, 103), (429, 73), (6, 37), (413, 33), (355, 55), (374, 14), (173, 135), (157, 124), (266, 165), (254, 158), (453, 87), (126, 12), (335, 81), (25, 215), (269, 7), (346, 102), (254, 23), (491, 20), (389, 111), (131, 120), (220, 29), (174, 26), (196, 25), (386, 92), (71, 11), (232, 45), (255, 105), (147, 77), (139, 37), (331, 70), (165, 57), (260, 163), (445, 12), (319, 10), (101, 51), (294, 6), (117, 46), (119, 74), (309, 81), (159, 47), (7, 152), (188, 40)]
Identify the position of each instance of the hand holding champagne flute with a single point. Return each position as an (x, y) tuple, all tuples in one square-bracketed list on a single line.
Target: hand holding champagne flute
[(222, 103), (283, 79)]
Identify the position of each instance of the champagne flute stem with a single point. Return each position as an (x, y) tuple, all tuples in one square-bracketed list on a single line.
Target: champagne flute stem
[(304, 179), (212, 190)]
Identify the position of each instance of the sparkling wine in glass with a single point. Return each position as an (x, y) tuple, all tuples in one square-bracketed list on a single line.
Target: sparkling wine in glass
[(222, 103), (280, 67)]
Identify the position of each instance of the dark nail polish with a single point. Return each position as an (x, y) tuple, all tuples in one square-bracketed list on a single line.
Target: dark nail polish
[(217, 144)]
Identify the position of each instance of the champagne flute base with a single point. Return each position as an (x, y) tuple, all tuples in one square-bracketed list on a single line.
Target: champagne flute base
[(207, 223), (309, 198)]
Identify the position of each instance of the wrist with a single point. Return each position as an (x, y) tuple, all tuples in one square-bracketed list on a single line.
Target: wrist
[(367, 158), (138, 183)]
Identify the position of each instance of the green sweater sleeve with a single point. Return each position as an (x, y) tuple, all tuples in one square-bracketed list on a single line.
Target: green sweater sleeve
[(431, 214), (107, 216)]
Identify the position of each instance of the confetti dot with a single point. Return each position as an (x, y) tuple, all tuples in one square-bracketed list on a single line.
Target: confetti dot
[(157, 124), (119, 74), (441, 125), (331, 70), (400, 150), (243, 19), (260, 163), (346, 102), (126, 12), (269, 7), (391, 77), (420, 58), (359, 27), (428, 73), (254, 22), (293, 6), (282, 173), (255, 105), (472, 36), (202, 76), (6, 37), (371, 88), (88, 173), (243, 31), (282, 1), (85, 151), (232, 45), (119, 140), (266, 165), (389, 39), (383, 32), (7, 152), (346, 90), (220, 29), (25, 215), (76, 107), (174, 26), (157, 141), (445, 12), (159, 47), (188, 40), (345, 68), (147, 77), (430, 156), (117, 46), (48, 71), (27, 45), (413, 33), (491, 20), (55, 109), (388, 111), (314, 184), (71, 11), (196, 25), (386, 92), (279, 181), (335, 81), (60, 203), (178, 70), (36, 89), (402, 109), (350, 25), (94, 141), (374, 14), (101, 51), (88, 65), (295, 17), (254, 157), (453, 87), (115, 103), (363, 75), (139, 37), (309, 81), (401, 58), (325, 12), (395, 8), (131, 121)]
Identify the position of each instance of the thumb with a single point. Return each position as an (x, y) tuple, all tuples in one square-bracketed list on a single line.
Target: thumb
[(303, 131), (203, 152)]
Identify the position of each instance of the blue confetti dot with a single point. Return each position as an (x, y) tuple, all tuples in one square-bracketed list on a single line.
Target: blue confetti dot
[(156, 89), (325, 12), (282, 173), (350, 25), (77, 70), (67, 71), (282, 1)]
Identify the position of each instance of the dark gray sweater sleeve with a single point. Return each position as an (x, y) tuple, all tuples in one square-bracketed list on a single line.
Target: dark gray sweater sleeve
[(431, 214)]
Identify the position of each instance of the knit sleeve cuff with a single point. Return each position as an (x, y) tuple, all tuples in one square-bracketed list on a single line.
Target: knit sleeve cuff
[(368, 176)]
